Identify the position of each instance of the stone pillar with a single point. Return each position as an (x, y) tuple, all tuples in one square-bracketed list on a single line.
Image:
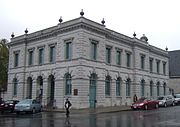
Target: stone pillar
[(113, 92), (123, 92), (44, 96), (59, 93), (34, 88)]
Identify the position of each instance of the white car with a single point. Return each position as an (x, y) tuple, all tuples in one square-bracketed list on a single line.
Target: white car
[(177, 98), (28, 105), (166, 101)]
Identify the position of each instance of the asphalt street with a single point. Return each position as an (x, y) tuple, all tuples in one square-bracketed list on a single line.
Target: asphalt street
[(162, 117)]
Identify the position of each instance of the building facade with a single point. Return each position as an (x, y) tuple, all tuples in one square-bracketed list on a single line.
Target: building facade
[(88, 63)]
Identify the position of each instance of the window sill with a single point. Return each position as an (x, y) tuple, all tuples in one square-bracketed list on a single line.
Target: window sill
[(118, 96), (107, 96)]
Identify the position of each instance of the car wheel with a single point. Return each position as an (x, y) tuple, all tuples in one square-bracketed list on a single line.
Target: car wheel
[(173, 104), (33, 110), (156, 106), (165, 105), (145, 107)]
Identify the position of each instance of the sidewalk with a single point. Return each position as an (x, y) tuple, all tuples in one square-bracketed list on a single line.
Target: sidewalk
[(92, 111)]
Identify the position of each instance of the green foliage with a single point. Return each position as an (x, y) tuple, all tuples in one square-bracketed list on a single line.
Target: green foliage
[(4, 57)]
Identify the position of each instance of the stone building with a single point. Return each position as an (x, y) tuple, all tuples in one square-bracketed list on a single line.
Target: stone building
[(88, 63), (174, 70)]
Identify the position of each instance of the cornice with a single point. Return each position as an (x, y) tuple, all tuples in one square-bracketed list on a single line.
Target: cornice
[(89, 25)]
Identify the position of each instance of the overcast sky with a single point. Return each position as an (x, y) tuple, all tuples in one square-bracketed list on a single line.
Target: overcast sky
[(159, 20)]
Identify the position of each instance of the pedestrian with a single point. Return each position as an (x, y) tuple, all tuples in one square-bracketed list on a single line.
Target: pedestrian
[(135, 98), (67, 106)]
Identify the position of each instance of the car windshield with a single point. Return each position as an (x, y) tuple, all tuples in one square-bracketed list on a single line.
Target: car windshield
[(25, 102), (177, 96), (160, 98)]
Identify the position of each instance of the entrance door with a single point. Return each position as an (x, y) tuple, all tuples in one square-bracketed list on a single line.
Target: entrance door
[(92, 91)]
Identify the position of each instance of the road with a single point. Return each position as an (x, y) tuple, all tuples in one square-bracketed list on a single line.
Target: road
[(162, 117)]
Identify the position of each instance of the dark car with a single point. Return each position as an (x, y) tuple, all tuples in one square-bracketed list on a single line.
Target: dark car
[(8, 105), (145, 103)]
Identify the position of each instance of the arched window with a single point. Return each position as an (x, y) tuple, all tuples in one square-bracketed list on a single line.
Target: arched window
[(151, 88), (128, 87), (108, 86), (68, 85), (15, 83), (142, 87), (158, 85), (118, 86), (164, 88)]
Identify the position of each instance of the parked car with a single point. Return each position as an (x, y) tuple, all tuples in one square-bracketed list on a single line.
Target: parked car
[(8, 105), (177, 99), (28, 105), (166, 101), (145, 103), (1, 105)]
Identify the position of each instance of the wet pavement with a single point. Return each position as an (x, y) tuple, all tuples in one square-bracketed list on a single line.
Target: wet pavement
[(162, 117)]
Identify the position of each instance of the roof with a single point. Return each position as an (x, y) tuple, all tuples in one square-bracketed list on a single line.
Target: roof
[(174, 63)]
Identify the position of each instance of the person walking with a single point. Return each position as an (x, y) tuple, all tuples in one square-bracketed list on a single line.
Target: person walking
[(135, 98), (67, 106)]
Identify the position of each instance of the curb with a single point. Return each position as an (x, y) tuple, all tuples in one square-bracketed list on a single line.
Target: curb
[(92, 111)]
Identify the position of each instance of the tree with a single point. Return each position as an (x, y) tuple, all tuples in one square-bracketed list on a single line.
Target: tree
[(4, 57)]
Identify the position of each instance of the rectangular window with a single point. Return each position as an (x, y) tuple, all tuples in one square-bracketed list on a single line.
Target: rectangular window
[(108, 55), (30, 57), (52, 55), (157, 65), (128, 56), (151, 65), (93, 50), (142, 61), (16, 59), (164, 68), (68, 50), (41, 56), (118, 57)]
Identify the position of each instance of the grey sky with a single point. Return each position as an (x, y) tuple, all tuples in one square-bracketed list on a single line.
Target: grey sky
[(159, 20)]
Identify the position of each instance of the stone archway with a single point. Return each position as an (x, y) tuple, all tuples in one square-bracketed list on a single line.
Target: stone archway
[(51, 91), (29, 88), (39, 88)]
